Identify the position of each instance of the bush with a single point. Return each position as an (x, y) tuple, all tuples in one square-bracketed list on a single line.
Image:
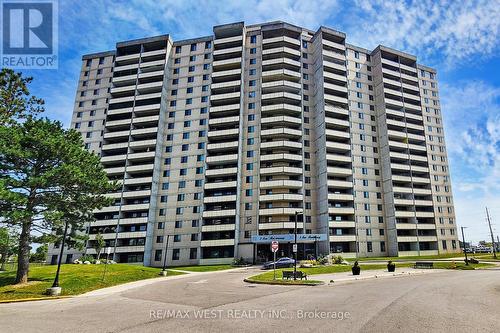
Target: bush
[(87, 257), (322, 260), (337, 259), (307, 263), (239, 262)]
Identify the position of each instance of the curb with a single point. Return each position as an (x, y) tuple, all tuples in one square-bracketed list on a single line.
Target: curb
[(285, 284), (21, 300)]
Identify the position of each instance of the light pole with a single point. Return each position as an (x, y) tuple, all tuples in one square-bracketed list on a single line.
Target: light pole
[(55, 289), (164, 270), (295, 246), (465, 250)]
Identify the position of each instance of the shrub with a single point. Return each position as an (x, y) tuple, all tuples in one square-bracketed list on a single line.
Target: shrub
[(239, 262), (87, 257), (337, 259), (322, 260)]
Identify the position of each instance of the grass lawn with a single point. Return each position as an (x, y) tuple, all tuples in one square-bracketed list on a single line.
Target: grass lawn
[(460, 265), (74, 279), (268, 276), (440, 256), (206, 268)]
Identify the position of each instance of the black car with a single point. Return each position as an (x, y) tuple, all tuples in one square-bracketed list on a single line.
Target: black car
[(280, 263)]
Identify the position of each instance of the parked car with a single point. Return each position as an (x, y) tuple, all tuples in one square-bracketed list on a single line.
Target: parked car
[(484, 250), (280, 263)]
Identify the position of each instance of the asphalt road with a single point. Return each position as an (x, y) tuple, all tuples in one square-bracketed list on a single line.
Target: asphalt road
[(453, 301)]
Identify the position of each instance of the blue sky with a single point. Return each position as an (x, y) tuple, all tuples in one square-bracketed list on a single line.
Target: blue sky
[(459, 39)]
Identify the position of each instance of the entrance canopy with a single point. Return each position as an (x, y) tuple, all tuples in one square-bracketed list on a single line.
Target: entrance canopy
[(289, 238)]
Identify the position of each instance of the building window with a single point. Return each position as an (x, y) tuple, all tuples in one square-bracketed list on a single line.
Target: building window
[(158, 255), (175, 254), (193, 253)]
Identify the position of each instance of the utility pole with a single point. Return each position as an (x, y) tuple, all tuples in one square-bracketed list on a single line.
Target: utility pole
[(295, 247), (164, 270), (465, 249), (491, 233)]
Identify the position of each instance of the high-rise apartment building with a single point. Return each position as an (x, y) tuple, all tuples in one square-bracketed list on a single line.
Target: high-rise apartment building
[(221, 138)]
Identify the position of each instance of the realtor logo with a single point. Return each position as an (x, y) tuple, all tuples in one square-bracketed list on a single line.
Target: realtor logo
[(29, 34)]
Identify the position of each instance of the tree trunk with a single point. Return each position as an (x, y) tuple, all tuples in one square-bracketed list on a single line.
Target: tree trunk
[(4, 260), (23, 258)]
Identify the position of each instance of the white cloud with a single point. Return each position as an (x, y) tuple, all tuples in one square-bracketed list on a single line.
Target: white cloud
[(471, 112), (457, 29)]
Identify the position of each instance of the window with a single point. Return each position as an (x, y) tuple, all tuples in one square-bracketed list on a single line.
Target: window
[(252, 71), (253, 61), (253, 50), (158, 255), (193, 253), (208, 44), (193, 47), (175, 253), (159, 239), (178, 49), (369, 246), (253, 39)]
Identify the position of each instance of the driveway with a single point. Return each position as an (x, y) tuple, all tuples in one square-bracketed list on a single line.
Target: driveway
[(451, 301)]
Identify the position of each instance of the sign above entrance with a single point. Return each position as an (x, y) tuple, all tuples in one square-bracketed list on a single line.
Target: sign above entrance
[(288, 238)]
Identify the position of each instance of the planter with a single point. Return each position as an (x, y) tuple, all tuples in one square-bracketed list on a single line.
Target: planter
[(356, 270), (391, 267)]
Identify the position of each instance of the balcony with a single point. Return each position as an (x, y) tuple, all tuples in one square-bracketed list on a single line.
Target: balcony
[(281, 183), (219, 213), (278, 211), (217, 242), (341, 210), (339, 183), (219, 198), (218, 227), (281, 157), (222, 159), (340, 197), (281, 197), (218, 185), (280, 170), (342, 238), (279, 225)]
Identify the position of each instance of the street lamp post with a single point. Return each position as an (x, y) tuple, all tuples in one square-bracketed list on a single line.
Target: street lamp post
[(465, 250), (55, 289), (164, 270), (295, 247)]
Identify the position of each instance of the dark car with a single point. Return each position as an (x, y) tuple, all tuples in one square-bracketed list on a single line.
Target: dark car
[(280, 263)]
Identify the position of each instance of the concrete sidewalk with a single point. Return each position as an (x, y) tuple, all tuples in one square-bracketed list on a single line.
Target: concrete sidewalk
[(370, 274)]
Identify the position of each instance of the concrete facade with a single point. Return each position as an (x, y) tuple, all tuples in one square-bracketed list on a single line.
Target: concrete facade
[(220, 138)]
